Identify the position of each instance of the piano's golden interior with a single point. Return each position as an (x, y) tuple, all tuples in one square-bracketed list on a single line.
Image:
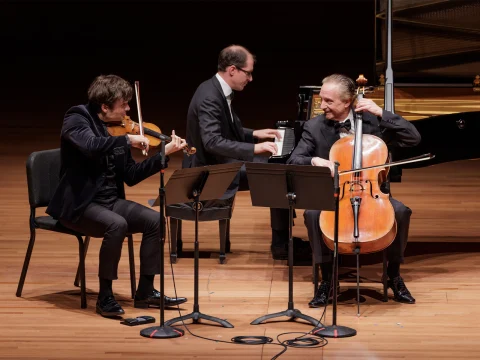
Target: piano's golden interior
[(414, 103)]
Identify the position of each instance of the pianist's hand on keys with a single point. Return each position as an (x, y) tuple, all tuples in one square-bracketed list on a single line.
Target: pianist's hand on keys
[(267, 146), (279, 142), (267, 134)]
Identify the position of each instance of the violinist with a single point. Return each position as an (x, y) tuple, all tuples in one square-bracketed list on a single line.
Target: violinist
[(319, 134), (90, 197)]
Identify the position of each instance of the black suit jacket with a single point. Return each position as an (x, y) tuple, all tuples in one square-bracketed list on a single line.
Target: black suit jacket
[(319, 135), (85, 145), (219, 139), (210, 128)]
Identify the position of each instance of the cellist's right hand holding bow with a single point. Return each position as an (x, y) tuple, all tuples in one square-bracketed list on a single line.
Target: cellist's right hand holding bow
[(317, 161)]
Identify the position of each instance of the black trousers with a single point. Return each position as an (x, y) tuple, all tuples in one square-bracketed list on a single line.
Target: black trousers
[(395, 251), (278, 217), (112, 223)]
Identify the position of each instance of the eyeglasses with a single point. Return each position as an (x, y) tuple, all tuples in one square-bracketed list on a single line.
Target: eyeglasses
[(248, 73)]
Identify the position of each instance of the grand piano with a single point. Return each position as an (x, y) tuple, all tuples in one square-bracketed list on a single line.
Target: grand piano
[(436, 52), (435, 57)]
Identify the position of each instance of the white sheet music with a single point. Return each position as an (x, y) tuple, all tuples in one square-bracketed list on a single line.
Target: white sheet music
[(280, 142)]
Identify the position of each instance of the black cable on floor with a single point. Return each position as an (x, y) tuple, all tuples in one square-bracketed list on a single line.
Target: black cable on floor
[(298, 342)]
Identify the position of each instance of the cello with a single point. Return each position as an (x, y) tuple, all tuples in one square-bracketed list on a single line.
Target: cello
[(365, 219)]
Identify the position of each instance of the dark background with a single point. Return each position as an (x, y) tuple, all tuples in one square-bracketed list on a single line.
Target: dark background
[(51, 52)]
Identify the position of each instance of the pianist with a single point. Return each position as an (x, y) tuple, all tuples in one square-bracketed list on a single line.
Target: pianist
[(319, 134), (217, 132)]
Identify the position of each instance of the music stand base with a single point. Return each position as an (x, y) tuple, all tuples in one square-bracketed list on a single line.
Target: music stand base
[(196, 316), (292, 314), (161, 332), (334, 331)]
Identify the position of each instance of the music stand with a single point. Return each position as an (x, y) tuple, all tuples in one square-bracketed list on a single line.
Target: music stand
[(334, 330), (163, 331), (289, 187), (199, 184)]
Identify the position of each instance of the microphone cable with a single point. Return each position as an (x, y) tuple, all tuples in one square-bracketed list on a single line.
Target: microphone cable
[(301, 341)]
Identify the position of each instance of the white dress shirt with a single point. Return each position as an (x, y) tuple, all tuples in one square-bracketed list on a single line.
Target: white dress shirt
[(227, 91)]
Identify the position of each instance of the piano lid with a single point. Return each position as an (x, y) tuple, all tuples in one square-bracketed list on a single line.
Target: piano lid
[(433, 41)]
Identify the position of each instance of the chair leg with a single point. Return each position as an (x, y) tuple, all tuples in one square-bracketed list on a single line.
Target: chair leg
[(227, 242), (131, 260), (222, 225), (26, 262), (385, 277), (173, 239), (81, 255), (86, 243)]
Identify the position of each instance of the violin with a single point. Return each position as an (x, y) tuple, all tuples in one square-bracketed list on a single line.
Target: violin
[(151, 131), (366, 217)]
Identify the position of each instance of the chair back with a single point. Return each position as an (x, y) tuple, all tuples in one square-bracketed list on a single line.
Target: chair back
[(43, 171)]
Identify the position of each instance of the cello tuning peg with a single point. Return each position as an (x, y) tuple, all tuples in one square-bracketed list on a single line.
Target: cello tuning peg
[(362, 80)]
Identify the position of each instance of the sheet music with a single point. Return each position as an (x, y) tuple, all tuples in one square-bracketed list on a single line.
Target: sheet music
[(280, 142)]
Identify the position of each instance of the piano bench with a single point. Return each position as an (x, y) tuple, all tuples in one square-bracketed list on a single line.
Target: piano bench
[(210, 210)]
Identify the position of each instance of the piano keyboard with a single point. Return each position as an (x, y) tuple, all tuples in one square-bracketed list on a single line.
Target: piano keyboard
[(287, 143)]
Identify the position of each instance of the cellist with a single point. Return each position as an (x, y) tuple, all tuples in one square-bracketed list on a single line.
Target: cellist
[(319, 134)]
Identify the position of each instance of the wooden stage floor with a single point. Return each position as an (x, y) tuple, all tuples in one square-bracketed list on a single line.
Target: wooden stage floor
[(48, 323)]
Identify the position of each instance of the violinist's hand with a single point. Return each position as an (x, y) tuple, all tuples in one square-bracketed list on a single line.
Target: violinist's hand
[(176, 144), (370, 106), (317, 161), (266, 146), (139, 141), (267, 134)]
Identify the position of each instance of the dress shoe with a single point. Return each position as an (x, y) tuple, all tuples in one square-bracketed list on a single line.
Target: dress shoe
[(321, 296), (109, 307), (279, 252), (302, 250), (154, 299), (400, 291)]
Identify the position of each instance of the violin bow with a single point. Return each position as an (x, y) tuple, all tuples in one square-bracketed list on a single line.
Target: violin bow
[(139, 111)]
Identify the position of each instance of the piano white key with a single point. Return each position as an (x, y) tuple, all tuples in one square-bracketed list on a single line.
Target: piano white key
[(280, 142)]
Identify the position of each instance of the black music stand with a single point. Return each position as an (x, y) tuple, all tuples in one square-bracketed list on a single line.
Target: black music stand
[(289, 187), (334, 330), (199, 184), (163, 331)]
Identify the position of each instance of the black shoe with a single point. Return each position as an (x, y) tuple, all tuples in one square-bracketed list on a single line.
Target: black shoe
[(400, 291), (154, 299), (302, 249), (109, 307), (321, 296), (279, 252)]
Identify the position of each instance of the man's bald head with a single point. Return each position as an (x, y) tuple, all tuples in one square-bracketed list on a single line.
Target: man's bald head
[(233, 55)]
